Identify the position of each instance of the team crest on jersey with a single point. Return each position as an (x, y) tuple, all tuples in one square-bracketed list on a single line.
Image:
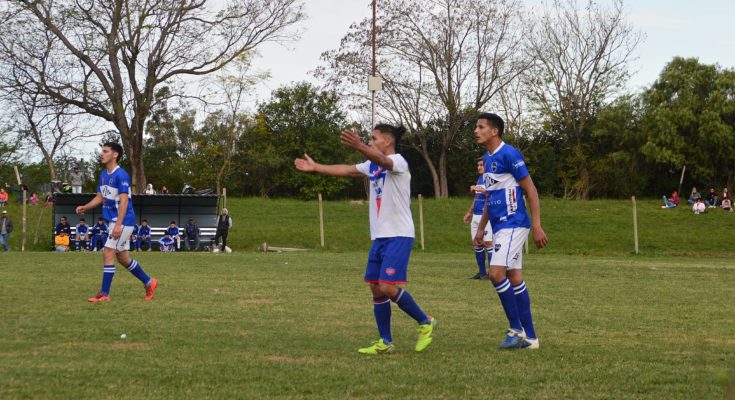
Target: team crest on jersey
[(390, 271), (494, 166)]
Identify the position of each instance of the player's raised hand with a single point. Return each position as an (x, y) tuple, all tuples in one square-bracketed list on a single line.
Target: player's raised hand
[(80, 210), (351, 139), (539, 237), (305, 164)]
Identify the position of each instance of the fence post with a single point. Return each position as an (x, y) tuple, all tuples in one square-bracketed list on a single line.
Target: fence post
[(635, 224), (421, 220), (321, 221)]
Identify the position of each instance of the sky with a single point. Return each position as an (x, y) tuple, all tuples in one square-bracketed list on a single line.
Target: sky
[(703, 29)]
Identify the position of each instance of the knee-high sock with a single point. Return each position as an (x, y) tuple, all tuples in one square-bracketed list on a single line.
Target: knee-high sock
[(138, 272), (524, 309), (480, 255), (382, 311), (508, 300), (408, 305), (108, 272)]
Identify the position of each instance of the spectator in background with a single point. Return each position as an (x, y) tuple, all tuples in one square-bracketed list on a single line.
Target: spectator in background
[(725, 194), (99, 234), (20, 190), (63, 226), (698, 207), (694, 196), (166, 244), (77, 180), (144, 234), (149, 189), (191, 234), (3, 197), (49, 200), (33, 199), (671, 202), (82, 235), (164, 190), (224, 223), (727, 204), (6, 226), (711, 200), (61, 242), (173, 231), (134, 237)]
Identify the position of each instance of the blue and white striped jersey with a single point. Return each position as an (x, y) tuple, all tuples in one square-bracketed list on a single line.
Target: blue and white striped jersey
[(111, 185), (503, 169)]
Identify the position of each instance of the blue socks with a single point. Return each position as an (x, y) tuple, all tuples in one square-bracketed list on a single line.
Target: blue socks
[(508, 300), (382, 310), (408, 305), (481, 255), (138, 272), (523, 300), (108, 272)]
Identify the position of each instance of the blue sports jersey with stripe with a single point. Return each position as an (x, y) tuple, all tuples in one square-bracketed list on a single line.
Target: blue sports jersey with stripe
[(82, 229), (503, 169), (480, 197), (111, 185)]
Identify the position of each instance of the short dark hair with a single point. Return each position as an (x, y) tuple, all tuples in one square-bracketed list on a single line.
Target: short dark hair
[(82, 220), (100, 219), (479, 159), (63, 217), (145, 220), (495, 121), (173, 222), (116, 148), (396, 131)]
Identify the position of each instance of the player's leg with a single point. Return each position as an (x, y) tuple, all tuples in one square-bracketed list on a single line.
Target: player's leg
[(108, 272), (480, 251), (503, 254), (121, 246), (381, 304), (187, 247), (197, 243)]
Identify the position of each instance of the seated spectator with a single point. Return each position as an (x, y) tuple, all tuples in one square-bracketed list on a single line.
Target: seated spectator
[(191, 234), (694, 196), (727, 204), (712, 198), (173, 231), (49, 200), (134, 237), (725, 194), (166, 244), (61, 242), (99, 235), (33, 199), (164, 190), (149, 189), (63, 226), (699, 207), (671, 202), (3, 197), (82, 235), (144, 234)]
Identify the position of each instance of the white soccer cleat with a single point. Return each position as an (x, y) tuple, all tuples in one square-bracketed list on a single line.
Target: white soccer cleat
[(527, 343)]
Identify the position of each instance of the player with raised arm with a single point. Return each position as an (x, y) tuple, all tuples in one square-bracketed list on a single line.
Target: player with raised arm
[(391, 229), (113, 192), (506, 180), (474, 215)]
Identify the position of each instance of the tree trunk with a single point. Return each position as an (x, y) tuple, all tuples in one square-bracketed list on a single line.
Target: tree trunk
[(443, 184)]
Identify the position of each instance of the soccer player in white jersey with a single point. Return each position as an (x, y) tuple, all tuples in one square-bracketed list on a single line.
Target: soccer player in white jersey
[(113, 192), (391, 229), (506, 180), (474, 215)]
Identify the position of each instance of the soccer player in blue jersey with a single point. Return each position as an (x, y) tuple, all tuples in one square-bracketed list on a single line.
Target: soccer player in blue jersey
[(99, 235), (166, 243), (144, 234), (82, 235), (113, 193), (391, 229), (134, 238), (173, 232), (506, 180), (474, 215)]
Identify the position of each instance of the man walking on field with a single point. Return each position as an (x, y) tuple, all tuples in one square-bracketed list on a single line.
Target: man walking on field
[(391, 229)]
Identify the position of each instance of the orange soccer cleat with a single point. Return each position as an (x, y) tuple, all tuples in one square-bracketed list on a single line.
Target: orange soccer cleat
[(150, 289), (99, 298)]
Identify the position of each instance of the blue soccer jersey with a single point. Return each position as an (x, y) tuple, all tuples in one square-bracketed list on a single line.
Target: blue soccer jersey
[(173, 231), (144, 230), (111, 185), (82, 229), (480, 197), (99, 228), (135, 230), (503, 169)]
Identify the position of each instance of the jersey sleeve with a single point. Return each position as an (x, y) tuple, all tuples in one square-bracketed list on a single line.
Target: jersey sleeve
[(123, 183), (517, 165), (400, 165), (364, 168)]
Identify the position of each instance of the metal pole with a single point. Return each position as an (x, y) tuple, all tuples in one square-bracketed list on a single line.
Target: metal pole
[(321, 221), (421, 220), (23, 242), (374, 70), (635, 224)]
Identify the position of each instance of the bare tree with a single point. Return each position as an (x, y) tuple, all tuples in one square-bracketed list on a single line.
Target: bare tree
[(112, 55), (441, 61), (582, 57)]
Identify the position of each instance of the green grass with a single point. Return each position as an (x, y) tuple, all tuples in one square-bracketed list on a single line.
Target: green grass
[(251, 325), (599, 227)]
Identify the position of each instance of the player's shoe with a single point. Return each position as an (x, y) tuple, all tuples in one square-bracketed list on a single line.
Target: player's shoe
[(150, 289), (378, 347), (477, 276), (425, 332), (99, 298), (527, 343), (512, 340)]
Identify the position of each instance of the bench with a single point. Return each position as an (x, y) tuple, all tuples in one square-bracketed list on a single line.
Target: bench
[(206, 235)]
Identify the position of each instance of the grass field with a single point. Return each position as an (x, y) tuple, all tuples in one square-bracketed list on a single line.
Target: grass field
[(251, 325)]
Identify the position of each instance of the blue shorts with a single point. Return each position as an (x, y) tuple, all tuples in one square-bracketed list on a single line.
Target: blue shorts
[(388, 260)]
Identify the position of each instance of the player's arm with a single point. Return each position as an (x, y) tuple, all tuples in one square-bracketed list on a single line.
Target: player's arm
[(539, 236), (121, 211), (94, 203), (350, 139), (307, 164)]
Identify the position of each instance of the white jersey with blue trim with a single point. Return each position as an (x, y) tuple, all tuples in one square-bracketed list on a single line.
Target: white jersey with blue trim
[(112, 184), (505, 205), (390, 198)]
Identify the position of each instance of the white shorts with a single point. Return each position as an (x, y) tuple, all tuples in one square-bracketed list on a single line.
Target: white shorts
[(123, 242), (508, 247), (473, 228)]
